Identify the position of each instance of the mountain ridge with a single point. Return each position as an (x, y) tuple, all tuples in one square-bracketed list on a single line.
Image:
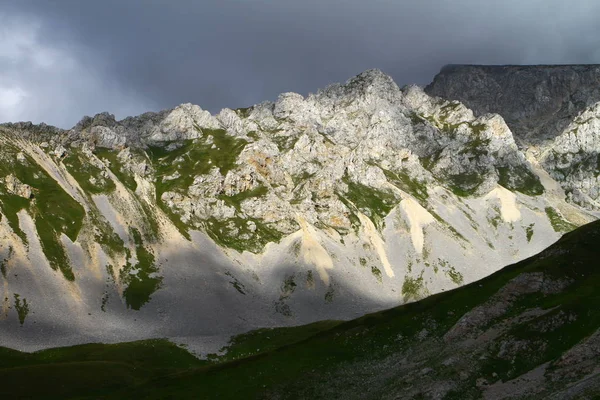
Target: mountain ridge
[(353, 199)]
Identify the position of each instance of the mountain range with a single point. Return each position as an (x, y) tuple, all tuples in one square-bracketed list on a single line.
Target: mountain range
[(361, 197)]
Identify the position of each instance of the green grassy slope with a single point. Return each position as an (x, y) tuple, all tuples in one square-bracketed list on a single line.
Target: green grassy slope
[(401, 352), (53, 210)]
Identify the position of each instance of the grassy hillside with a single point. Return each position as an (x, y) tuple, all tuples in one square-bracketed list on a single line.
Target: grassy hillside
[(455, 345)]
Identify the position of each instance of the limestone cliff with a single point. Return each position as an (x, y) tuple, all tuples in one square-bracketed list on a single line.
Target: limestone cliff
[(537, 101)]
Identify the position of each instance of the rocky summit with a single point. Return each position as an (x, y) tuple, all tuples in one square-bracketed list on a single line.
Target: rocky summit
[(538, 102), (363, 196)]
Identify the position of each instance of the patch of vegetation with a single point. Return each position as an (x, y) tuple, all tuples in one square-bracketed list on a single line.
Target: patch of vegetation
[(117, 167), (412, 288), (11, 205), (377, 273), (300, 179), (53, 210), (253, 135), (519, 178), (477, 147), (289, 286), (214, 149), (375, 204), (104, 301), (287, 289), (454, 275), (105, 236), (558, 222), (464, 185), (285, 142), (477, 128), (329, 294), (22, 308), (425, 252), (414, 187), (529, 232), (445, 224), (90, 369), (296, 247), (496, 218), (110, 270), (416, 118), (264, 340), (142, 279), (236, 233), (87, 175)]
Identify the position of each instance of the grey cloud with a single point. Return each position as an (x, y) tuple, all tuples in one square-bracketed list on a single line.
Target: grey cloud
[(151, 54)]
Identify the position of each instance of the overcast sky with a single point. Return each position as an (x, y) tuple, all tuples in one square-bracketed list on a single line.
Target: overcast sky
[(62, 59)]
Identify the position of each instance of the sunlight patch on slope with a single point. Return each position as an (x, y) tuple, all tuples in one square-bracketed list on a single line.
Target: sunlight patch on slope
[(509, 211), (377, 242), (418, 218), (313, 252)]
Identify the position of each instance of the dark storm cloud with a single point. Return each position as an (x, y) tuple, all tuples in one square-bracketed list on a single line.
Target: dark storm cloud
[(128, 56)]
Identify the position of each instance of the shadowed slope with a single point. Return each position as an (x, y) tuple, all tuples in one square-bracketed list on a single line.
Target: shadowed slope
[(530, 329)]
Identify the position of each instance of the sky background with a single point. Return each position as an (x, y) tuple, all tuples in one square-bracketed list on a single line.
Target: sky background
[(63, 59)]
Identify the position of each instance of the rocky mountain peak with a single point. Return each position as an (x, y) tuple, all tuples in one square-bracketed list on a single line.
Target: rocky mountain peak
[(101, 119), (372, 81), (537, 101)]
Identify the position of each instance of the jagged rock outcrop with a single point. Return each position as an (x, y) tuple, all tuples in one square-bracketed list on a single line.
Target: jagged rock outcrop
[(15, 186), (552, 109), (573, 158), (537, 101)]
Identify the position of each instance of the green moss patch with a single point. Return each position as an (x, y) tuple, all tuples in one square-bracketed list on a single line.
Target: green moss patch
[(375, 204), (377, 273), (116, 167), (142, 279), (466, 184), (403, 181), (11, 204), (412, 288), (236, 233), (88, 176), (521, 179), (22, 308), (54, 211), (558, 222), (529, 232)]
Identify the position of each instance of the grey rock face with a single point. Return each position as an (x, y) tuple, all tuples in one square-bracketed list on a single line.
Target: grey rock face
[(15, 186), (537, 102), (573, 158)]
